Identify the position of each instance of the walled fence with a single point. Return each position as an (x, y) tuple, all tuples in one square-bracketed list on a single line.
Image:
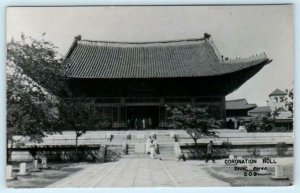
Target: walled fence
[(199, 152), (91, 153), (62, 147)]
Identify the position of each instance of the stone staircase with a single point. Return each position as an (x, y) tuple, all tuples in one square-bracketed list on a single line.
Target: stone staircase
[(166, 147), (132, 154), (165, 144), (164, 138), (166, 151)]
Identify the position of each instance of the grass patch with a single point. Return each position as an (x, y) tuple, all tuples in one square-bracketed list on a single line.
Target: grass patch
[(44, 178)]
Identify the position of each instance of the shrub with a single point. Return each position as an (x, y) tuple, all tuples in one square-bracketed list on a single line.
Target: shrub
[(253, 152), (226, 145), (281, 148)]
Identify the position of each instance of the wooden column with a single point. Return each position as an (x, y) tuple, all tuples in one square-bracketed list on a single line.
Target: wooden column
[(123, 111), (193, 101), (223, 110)]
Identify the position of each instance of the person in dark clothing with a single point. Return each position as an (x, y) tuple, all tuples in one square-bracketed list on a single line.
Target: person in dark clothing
[(139, 123), (209, 153)]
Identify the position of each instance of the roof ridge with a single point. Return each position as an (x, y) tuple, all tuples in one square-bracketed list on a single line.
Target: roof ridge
[(261, 56), (236, 100), (263, 106), (277, 91), (145, 42), (260, 108), (205, 36)]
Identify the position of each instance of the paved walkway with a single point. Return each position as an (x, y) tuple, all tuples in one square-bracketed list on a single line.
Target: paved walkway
[(140, 173)]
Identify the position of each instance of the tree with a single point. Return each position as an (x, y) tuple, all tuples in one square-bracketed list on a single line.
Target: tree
[(265, 123), (288, 99), (30, 109), (33, 69), (195, 120), (36, 76), (78, 114)]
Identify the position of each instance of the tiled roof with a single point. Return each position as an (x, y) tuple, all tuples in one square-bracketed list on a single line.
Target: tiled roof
[(238, 104), (183, 58), (277, 92), (263, 109)]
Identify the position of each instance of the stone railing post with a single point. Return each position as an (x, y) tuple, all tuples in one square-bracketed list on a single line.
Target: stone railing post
[(125, 148), (108, 136), (102, 154), (9, 175), (44, 163), (35, 166), (173, 135), (23, 170), (279, 173), (127, 135), (178, 152)]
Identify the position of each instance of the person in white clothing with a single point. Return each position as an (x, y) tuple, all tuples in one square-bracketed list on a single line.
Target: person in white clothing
[(152, 151), (149, 122), (143, 123), (148, 143), (155, 145)]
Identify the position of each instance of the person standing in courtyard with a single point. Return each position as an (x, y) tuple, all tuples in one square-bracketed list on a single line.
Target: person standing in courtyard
[(143, 123), (136, 123), (152, 150), (209, 153), (155, 146), (140, 123), (128, 123), (150, 122), (148, 144)]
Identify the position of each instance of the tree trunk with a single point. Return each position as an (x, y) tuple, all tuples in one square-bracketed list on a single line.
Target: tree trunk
[(76, 148), (9, 150), (195, 141)]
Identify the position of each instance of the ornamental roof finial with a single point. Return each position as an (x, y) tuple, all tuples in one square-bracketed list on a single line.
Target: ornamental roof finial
[(206, 35), (78, 37)]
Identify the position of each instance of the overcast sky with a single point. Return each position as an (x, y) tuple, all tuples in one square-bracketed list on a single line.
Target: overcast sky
[(238, 31)]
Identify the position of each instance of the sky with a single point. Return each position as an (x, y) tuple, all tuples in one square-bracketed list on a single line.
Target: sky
[(238, 31)]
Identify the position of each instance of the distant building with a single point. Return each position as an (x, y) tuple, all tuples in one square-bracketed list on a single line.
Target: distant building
[(277, 109), (237, 112), (275, 100), (283, 119), (260, 111)]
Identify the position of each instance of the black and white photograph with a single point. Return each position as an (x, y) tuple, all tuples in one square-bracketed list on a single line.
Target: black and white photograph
[(149, 96)]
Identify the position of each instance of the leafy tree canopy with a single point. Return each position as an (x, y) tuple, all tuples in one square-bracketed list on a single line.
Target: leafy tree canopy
[(265, 123), (289, 99), (40, 61), (30, 109), (197, 121)]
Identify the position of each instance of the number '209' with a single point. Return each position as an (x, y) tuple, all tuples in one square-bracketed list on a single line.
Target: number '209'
[(250, 173)]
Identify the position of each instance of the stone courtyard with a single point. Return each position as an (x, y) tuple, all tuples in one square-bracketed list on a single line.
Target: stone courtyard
[(140, 173), (145, 172)]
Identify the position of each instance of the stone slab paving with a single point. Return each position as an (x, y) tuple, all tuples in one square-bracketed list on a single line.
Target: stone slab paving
[(140, 173)]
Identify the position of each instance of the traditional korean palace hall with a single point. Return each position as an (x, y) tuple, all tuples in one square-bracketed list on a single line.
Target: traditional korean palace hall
[(133, 81)]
